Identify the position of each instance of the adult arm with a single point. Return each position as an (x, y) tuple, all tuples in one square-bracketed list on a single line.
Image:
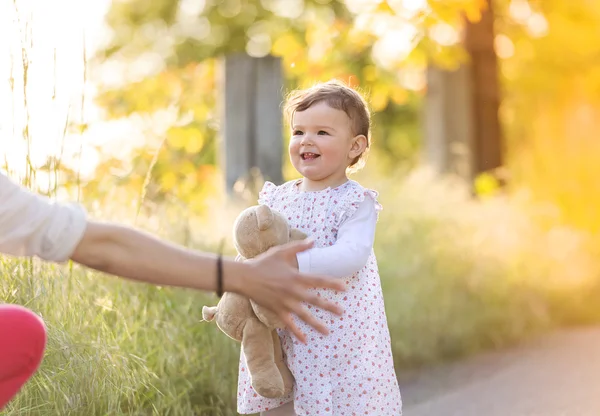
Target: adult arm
[(31, 225)]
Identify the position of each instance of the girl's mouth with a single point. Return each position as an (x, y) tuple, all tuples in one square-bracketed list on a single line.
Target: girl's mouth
[(309, 156)]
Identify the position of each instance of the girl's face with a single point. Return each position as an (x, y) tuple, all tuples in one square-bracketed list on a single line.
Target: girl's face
[(323, 146)]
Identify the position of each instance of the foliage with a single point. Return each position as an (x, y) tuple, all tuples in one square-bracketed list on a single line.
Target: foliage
[(178, 158), (551, 78), (177, 42)]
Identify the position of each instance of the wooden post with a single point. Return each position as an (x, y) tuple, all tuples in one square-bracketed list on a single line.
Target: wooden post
[(461, 126), (448, 122), (252, 127)]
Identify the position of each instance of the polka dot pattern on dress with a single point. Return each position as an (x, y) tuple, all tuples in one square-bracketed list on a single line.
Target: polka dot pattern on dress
[(351, 371)]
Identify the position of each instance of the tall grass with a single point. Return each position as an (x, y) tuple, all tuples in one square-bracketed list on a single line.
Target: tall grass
[(459, 275), (119, 348)]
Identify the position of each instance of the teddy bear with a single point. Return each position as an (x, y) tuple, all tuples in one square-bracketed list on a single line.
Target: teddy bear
[(255, 230)]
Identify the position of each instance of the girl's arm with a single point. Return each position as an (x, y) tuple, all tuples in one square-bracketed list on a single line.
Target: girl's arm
[(352, 249)]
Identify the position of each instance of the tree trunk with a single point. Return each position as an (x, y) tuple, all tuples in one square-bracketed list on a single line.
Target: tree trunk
[(479, 42), (461, 126)]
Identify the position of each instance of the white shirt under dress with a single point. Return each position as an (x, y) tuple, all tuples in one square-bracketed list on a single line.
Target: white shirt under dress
[(32, 225), (350, 371)]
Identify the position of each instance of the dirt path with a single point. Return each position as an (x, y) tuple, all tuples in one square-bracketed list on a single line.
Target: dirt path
[(557, 375)]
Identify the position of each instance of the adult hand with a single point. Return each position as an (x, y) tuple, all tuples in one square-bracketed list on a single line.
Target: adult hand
[(276, 284)]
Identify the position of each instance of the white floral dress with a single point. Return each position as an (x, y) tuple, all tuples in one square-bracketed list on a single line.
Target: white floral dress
[(350, 371)]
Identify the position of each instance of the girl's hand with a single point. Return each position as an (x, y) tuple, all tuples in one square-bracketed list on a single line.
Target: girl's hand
[(273, 282)]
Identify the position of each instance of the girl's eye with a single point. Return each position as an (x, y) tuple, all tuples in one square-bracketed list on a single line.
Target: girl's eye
[(297, 133), (323, 133)]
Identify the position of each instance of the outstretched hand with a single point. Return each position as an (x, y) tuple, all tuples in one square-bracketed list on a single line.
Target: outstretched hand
[(275, 283)]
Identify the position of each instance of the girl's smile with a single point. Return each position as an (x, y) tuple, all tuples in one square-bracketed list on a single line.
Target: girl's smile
[(322, 146)]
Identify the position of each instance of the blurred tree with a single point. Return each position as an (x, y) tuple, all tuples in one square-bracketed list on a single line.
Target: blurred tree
[(550, 110), (167, 51), (462, 128)]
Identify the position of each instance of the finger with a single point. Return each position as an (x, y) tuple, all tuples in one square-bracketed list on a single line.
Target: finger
[(292, 327), (322, 303), (322, 281), (327, 305), (310, 319)]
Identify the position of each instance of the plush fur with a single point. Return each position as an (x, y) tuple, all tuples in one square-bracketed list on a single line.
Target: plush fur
[(257, 229)]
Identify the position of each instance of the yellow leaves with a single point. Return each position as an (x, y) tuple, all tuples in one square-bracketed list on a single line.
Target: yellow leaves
[(195, 144), (292, 52), (474, 8), (381, 90), (168, 180), (370, 73), (384, 7), (455, 10), (186, 138), (486, 185), (286, 45), (399, 95), (379, 97)]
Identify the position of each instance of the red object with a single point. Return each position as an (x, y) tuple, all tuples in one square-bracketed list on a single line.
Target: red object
[(22, 344)]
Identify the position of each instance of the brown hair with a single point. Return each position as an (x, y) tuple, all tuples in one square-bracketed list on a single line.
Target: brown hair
[(341, 97)]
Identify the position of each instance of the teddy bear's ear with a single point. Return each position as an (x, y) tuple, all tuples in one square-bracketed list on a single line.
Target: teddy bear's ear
[(264, 217), (296, 234)]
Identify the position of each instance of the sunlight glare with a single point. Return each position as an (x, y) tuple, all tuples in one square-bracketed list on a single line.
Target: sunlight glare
[(520, 10), (412, 78), (291, 9), (537, 25), (191, 8), (444, 34), (504, 46), (362, 6), (54, 88), (395, 45), (408, 8)]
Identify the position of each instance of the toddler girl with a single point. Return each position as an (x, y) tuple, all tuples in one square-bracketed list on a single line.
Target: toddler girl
[(350, 371)]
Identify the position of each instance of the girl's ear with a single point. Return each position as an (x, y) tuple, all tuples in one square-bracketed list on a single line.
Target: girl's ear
[(359, 145)]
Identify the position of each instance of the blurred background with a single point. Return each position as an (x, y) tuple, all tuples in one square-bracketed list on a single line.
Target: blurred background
[(166, 114)]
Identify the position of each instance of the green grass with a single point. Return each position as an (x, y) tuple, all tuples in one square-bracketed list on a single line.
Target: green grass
[(459, 276), (120, 348)]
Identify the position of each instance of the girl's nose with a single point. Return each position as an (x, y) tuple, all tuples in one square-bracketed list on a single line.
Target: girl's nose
[(306, 140)]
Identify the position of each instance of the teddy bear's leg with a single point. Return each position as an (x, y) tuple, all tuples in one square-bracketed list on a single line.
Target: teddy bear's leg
[(286, 375), (208, 313), (257, 343)]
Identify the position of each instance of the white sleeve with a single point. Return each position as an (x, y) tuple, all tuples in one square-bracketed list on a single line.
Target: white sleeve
[(31, 225), (350, 252)]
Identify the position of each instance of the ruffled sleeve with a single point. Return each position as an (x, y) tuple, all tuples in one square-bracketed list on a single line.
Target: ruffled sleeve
[(348, 204), (265, 196)]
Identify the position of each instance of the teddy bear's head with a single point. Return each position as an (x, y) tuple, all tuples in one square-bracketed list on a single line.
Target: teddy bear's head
[(258, 228)]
